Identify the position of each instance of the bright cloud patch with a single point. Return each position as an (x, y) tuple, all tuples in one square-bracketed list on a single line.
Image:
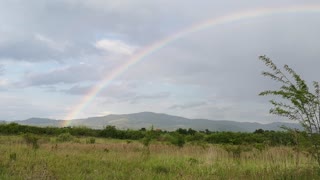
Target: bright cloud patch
[(115, 46), (4, 84)]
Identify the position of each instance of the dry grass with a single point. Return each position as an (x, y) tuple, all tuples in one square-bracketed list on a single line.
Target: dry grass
[(114, 159)]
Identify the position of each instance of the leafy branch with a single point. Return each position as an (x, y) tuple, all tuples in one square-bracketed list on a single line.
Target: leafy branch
[(300, 104)]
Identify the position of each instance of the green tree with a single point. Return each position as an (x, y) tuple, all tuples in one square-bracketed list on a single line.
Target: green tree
[(296, 101), (109, 132)]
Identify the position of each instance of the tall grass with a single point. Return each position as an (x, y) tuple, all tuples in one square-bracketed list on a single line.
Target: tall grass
[(115, 159)]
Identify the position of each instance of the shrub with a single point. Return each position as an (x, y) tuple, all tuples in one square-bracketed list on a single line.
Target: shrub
[(195, 137), (91, 140), (65, 137), (31, 139), (146, 141), (178, 140), (235, 150)]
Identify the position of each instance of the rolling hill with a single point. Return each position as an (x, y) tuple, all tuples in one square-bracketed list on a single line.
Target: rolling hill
[(157, 120)]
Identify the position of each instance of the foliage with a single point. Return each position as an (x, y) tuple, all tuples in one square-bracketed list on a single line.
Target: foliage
[(146, 141), (234, 150), (177, 140), (197, 136), (298, 102), (148, 137), (271, 138), (65, 137), (91, 140), (31, 139)]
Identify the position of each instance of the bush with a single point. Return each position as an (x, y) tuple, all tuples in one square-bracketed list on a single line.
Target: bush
[(91, 140), (31, 139), (195, 137), (146, 141), (65, 137), (178, 140)]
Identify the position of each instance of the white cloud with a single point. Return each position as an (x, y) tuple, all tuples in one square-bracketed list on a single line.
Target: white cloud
[(115, 46), (4, 84)]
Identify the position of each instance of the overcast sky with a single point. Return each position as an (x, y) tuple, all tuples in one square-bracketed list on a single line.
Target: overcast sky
[(53, 52)]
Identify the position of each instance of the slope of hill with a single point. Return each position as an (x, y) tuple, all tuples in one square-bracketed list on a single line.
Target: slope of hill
[(41, 122), (161, 121)]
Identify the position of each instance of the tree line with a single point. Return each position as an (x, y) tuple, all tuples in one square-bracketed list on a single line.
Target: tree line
[(178, 137)]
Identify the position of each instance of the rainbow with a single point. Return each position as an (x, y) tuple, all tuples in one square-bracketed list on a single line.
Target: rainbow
[(148, 50)]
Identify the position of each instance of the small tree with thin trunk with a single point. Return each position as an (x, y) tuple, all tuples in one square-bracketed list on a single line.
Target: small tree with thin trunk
[(296, 102)]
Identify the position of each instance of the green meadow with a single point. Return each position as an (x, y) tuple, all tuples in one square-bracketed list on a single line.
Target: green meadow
[(51, 157)]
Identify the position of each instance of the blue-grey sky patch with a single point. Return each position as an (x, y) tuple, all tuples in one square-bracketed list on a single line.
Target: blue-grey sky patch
[(2, 69)]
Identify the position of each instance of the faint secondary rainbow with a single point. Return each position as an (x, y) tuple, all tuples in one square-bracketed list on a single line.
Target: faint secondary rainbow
[(146, 51)]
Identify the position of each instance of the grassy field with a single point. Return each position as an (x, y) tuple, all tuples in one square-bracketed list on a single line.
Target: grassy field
[(115, 159)]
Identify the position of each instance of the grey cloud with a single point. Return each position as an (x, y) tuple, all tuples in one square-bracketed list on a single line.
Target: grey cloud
[(2, 69), (188, 105), (4, 84), (35, 48), (113, 93), (225, 60), (77, 90), (81, 23), (122, 92), (26, 107), (68, 75), (221, 61), (139, 98), (115, 89)]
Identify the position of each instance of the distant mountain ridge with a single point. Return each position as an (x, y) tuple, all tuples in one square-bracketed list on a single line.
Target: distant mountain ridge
[(160, 121)]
